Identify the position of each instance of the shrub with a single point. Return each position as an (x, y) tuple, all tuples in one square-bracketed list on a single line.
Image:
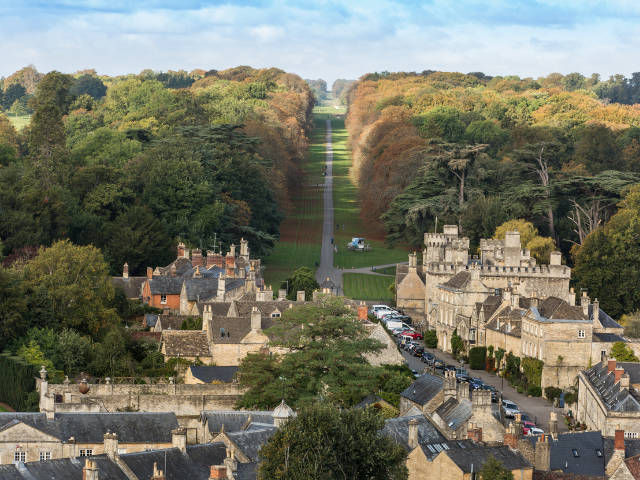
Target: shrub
[(477, 357), (430, 339), (552, 393), (534, 391), (519, 389), (532, 369)]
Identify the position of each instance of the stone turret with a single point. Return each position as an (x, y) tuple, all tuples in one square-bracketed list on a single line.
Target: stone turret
[(450, 388), (282, 413)]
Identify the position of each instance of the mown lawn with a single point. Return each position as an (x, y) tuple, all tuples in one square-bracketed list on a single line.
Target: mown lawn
[(347, 212), (387, 271), (18, 121), (361, 286), (301, 231)]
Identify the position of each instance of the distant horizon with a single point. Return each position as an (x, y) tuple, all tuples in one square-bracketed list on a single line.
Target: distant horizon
[(322, 39)]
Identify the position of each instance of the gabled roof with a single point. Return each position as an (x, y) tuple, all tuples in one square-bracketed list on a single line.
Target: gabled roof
[(208, 374), (131, 427), (615, 398), (244, 308), (605, 320), (234, 329), (586, 445), (165, 285), (186, 343), (554, 308), (35, 420), (490, 305), (454, 413), (606, 337), (470, 456), (458, 281), (398, 430), (423, 389), (633, 465), (171, 322), (62, 469), (234, 420), (250, 441), (200, 288), (131, 286)]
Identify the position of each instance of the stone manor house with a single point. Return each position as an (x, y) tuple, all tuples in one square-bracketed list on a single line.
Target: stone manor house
[(503, 298)]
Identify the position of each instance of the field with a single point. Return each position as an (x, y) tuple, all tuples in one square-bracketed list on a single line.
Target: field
[(347, 213), (301, 231), (19, 121), (361, 286)]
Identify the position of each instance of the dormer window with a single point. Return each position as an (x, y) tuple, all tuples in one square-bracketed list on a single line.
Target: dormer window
[(275, 315)]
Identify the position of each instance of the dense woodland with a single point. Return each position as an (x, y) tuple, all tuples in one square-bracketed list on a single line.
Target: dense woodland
[(436, 147), (118, 169)]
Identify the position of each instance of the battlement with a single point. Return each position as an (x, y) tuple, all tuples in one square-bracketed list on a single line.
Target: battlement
[(554, 271)]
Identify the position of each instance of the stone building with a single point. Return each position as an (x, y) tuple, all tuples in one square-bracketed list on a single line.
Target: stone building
[(609, 398), (426, 394)]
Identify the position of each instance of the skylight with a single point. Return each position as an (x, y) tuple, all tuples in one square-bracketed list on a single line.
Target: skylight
[(575, 453)]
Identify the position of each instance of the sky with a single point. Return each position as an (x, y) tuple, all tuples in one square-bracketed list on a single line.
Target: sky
[(323, 38)]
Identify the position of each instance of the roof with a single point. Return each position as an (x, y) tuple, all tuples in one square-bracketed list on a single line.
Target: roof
[(615, 398), (234, 420), (61, 469), (605, 320), (423, 389), (131, 427), (459, 280), (398, 430), (165, 285), (585, 444), (195, 465), (633, 465), (454, 413), (36, 420), (150, 319), (470, 456), (234, 329), (607, 337), (244, 308), (491, 304), (370, 399), (554, 308), (250, 441), (185, 343), (208, 374), (172, 322), (131, 286), (219, 308), (203, 287)]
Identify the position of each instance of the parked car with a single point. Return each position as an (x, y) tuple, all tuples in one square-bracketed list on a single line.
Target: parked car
[(415, 373), (526, 418), (536, 431), (380, 313), (494, 392), (438, 364), (379, 308), (418, 351), (428, 358), (475, 383), (412, 334), (509, 408)]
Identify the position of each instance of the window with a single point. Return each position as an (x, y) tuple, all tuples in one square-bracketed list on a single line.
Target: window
[(598, 452), (580, 333), (86, 452), (163, 299), (222, 332), (19, 456), (45, 456), (575, 452), (630, 434), (275, 315)]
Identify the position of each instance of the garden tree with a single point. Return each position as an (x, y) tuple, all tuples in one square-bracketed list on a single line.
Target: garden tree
[(302, 279), (540, 247), (493, 469), (318, 87), (110, 356), (622, 353), (14, 92), (77, 282), (597, 150), (27, 77), (607, 264), (456, 343), (88, 85), (326, 347), (324, 442), (631, 324), (430, 339), (13, 306)]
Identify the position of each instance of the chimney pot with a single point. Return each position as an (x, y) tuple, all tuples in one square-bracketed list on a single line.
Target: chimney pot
[(363, 312), (218, 472), (125, 270)]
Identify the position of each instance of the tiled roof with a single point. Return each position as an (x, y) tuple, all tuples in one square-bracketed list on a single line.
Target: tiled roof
[(186, 343), (607, 337), (63, 469), (605, 320), (244, 308), (553, 308), (165, 285), (250, 441), (208, 374), (470, 456), (200, 288), (459, 280), (171, 322), (454, 413), (234, 420), (615, 398), (132, 286), (398, 430), (633, 465), (234, 329), (423, 389), (491, 304), (585, 444)]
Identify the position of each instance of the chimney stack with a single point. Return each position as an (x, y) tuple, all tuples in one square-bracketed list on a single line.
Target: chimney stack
[(618, 443), (181, 250), (282, 294), (196, 257), (218, 472), (363, 312), (611, 365), (584, 303), (595, 314), (542, 454), (149, 273), (179, 439), (474, 433), (90, 470), (413, 261), (618, 455), (110, 440), (244, 249), (618, 372), (230, 262), (625, 381), (553, 425), (413, 434), (256, 319), (222, 287), (157, 473), (125, 270), (300, 296)]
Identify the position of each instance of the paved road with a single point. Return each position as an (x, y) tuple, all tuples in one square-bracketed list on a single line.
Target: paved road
[(537, 408), (372, 270), (326, 268)]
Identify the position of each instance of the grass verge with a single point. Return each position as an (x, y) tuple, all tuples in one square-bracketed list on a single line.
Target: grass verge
[(361, 286), (18, 121)]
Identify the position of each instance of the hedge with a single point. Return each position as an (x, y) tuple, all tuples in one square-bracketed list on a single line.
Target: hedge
[(17, 384), (477, 357)]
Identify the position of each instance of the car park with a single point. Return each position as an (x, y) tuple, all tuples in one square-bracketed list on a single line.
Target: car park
[(509, 408)]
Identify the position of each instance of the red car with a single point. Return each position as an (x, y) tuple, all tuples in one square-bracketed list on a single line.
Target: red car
[(413, 335)]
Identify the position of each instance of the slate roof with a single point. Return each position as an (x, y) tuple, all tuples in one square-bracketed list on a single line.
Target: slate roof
[(61, 469), (131, 427), (605, 320), (554, 308), (208, 374), (131, 286), (160, 285), (491, 304), (234, 420), (171, 322), (615, 398), (200, 288), (585, 443), (150, 319), (633, 465), (509, 318), (454, 413), (244, 308), (184, 267), (250, 441), (607, 337), (186, 343), (423, 389), (458, 281), (235, 328), (631, 368), (398, 430), (36, 420), (218, 308), (470, 456), (195, 465)]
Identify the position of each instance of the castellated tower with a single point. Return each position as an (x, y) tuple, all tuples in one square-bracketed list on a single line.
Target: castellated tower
[(446, 247)]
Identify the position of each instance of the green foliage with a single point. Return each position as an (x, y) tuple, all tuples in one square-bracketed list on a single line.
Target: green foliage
[(499, 356), (88, 85), (17, 385), (493, 469), (324, 442), (13, 307), (622, 353), (326, 348), (442, 122), (551, 393), (456, 343), (303, 279), (532, 370), (191, 323), (14, 92), (512, 367), (430, 339), (534, 391), (631, 324), (477, 358)]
